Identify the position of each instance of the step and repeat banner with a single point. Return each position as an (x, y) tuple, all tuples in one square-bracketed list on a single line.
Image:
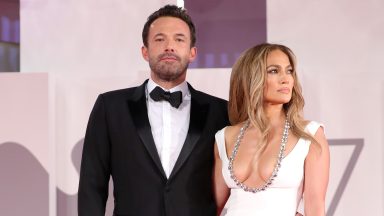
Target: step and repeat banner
[(73, 50)]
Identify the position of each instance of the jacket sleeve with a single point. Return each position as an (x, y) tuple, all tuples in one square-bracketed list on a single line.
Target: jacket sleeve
[(95, 164)]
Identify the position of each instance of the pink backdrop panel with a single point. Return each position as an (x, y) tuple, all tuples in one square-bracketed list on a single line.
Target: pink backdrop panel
[(24, 144)]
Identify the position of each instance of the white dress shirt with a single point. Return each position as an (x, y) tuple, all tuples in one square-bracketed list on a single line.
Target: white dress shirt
[(169, 125)]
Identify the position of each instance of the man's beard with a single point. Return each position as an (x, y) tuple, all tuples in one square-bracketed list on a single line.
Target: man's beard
[(168, 71)]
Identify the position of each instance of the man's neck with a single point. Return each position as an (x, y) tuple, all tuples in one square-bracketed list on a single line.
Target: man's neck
[(168, 84)]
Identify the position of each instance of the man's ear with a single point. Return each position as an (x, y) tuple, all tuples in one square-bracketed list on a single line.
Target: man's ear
[(192, 54), (144, 52)]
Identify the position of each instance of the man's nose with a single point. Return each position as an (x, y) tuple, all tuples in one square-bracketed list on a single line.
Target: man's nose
[(169, 47)]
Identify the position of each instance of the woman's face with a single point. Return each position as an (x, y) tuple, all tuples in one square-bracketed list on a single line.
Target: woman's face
[(279, 79)]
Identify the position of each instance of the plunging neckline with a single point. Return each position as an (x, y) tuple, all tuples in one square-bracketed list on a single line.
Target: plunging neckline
[(226, 152)]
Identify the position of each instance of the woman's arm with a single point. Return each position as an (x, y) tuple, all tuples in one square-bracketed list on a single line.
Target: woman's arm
[(316, 176), (221, 191)]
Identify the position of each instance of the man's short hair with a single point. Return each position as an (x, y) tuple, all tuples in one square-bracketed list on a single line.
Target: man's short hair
[(170, 11)]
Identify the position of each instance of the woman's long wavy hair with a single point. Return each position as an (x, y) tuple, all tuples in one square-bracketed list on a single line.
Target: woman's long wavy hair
[(246, 96)]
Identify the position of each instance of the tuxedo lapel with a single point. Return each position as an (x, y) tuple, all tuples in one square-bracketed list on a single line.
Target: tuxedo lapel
[(138, 109), (198, 118)]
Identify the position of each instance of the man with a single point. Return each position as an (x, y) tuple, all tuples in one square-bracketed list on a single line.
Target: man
[(156, 145)]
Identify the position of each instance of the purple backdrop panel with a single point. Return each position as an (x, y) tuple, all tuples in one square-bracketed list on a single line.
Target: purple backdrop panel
[(9, 35), (225, 28), (10, 21)]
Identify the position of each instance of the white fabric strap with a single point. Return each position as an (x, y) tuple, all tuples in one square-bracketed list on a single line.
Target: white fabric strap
[(220, 142)]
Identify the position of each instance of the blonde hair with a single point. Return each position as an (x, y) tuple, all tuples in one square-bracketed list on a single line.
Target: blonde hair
[(246, 96)]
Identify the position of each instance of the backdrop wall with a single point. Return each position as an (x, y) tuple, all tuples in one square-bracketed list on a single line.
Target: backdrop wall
[(88, 47)]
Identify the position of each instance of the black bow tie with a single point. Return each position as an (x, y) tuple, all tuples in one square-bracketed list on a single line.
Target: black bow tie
[(174, 98)]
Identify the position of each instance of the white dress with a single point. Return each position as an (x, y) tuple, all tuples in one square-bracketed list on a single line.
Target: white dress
[(282, 197)]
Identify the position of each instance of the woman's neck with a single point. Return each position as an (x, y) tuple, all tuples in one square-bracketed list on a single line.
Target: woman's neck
[(275, 115)]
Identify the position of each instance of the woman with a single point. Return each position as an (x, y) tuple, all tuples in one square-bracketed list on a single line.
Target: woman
[(270, 161)]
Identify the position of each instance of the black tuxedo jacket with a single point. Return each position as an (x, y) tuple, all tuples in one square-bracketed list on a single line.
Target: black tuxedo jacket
[(119, 143)]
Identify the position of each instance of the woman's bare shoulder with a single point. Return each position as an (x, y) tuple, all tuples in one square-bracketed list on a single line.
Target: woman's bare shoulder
[(231, 132)]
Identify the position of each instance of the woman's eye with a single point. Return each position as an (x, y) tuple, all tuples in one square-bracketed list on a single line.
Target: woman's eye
[(272, 71)]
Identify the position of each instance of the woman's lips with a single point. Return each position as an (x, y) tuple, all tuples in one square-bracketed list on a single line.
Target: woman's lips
[(284, 90)]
